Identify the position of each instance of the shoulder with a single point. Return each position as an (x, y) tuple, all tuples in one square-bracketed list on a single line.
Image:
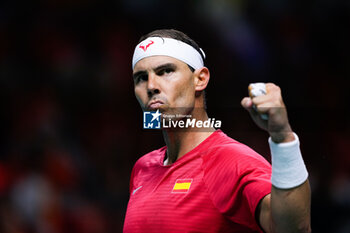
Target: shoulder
[(230, 153)]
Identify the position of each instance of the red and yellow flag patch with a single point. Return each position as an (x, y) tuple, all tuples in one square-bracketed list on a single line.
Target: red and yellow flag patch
[(182, 185)]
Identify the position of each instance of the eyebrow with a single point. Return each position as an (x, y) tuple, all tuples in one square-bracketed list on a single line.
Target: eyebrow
[(165, 66), (156, 69)]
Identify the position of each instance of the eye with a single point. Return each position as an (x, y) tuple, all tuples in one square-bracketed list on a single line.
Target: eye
[(168, 70), (140, 78)]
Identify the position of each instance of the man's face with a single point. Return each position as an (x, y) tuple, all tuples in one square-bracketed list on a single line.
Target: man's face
[(164, 83)]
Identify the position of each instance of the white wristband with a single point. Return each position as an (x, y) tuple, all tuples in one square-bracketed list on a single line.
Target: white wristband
[(288, 167)]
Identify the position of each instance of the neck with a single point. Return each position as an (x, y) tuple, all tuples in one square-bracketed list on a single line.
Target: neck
[(179, 141)]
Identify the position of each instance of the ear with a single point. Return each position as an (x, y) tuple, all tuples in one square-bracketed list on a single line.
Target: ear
[(201, 78)]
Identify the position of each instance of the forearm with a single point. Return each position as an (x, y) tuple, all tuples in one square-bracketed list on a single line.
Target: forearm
[(290, 209), (290, 192), (287, 208)]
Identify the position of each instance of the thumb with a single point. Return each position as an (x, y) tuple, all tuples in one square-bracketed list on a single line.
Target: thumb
[(247, 103)]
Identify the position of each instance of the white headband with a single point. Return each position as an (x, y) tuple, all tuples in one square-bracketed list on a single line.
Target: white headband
[(153, 46)]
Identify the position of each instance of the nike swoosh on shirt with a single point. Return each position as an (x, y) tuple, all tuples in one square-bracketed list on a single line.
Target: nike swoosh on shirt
[(135, 190)]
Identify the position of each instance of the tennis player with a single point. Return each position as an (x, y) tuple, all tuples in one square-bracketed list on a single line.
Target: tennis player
[(203, 180)]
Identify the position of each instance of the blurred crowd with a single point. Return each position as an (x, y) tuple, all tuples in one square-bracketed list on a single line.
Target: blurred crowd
[(71, 128)]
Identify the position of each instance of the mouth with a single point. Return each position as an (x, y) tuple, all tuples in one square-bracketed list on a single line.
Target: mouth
[(155, 104)]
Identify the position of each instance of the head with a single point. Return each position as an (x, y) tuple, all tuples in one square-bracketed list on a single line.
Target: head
[(169, 73)]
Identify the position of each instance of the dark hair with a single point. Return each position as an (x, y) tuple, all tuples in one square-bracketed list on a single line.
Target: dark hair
[(174, 34)]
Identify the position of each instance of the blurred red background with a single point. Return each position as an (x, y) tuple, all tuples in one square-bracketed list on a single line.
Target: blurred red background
[(71, 128)]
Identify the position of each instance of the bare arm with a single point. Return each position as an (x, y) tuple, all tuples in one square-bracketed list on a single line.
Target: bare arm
[(284, 210)]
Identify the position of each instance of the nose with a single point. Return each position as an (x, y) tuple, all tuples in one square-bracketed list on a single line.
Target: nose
[(152, 85)]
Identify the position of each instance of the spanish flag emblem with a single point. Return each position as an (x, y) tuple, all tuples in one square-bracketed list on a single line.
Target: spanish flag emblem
[(182, 185)]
